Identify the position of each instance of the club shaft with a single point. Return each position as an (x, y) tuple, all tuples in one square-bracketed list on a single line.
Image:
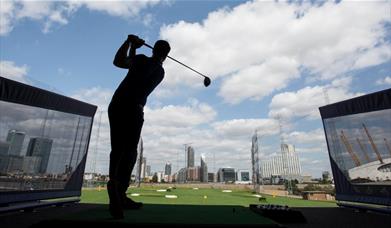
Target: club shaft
[(147, 45)]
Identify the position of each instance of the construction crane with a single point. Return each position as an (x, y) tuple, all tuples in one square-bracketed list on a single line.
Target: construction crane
[(364, 150), (140, 162), (255, 161), (373, 144), (350, 149), (284, 156), (387, 145)]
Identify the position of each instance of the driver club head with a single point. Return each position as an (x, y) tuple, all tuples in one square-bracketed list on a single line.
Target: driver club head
[(207, 81)]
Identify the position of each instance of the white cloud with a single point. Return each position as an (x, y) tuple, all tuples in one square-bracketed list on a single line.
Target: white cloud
[(373, 57), (238, 44), (6, 15), (98, 96), (316, 137), (384, 81), (49, 12), (52, 13), (32, 9), (180, 116), (117, 8), (9, 69), (306, 101), (259, 80), (162, 92), (245, 127)]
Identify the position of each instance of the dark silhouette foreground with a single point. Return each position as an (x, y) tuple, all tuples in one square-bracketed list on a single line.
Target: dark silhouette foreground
[(126, 115)]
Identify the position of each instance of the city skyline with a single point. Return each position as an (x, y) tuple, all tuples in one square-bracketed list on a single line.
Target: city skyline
[(26, 132), (285, 164)]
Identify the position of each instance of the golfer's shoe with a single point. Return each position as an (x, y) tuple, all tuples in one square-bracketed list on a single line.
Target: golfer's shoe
[(129, 204), (115, 206), (116, 212)]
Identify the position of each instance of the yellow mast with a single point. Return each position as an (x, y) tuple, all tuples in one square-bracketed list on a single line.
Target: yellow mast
[(350, 149), (373, 144)]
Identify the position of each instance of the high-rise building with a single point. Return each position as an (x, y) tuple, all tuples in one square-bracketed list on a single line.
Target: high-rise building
[(288, 149), (190, 157), (3, 163), (31, 164), (286, 164), (290, 160), (167, 169), (40, 147), (14, 164), (226, 175), (148, 170), (181, 176), (15, 139), (204, 170), (193, 174), (4, 147)]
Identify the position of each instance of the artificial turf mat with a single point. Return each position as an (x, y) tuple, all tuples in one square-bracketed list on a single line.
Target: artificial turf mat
[(193, 215)]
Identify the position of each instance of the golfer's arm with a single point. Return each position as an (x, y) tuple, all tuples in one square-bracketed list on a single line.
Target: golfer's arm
[(121, 59)]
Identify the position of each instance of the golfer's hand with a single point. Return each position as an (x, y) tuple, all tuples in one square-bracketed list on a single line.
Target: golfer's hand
[(135, 41), (132, 38)]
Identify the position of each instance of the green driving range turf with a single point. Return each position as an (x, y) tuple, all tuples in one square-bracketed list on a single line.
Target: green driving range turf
[(202, 196)]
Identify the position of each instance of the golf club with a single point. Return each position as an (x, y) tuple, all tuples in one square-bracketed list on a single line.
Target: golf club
[(207, 80)]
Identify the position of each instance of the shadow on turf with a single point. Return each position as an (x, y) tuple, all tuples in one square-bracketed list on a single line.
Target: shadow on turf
[(163, 215)]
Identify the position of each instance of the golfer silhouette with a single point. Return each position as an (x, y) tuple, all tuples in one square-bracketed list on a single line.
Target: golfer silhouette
[(126, 116)]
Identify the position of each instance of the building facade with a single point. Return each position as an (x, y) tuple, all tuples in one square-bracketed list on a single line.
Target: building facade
[(211, 177), (287, 164), (190, 157), (40, 147), (167, 169), (4, 147), (15, 139), (204, 170), (181, 176), (226, 175), (193, 174), (148, 171), (31, 164), (243, 176)]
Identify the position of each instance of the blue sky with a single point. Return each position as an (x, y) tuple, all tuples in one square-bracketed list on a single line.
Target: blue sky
[(265, 59)]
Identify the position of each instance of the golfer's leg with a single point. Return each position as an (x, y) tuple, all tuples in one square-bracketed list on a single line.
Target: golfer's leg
[(129, 158), (115, 206)]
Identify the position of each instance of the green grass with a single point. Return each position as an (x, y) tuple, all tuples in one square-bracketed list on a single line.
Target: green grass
[(189, 196)]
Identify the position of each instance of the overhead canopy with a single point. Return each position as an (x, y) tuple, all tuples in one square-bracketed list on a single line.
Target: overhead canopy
[(16, 92)]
